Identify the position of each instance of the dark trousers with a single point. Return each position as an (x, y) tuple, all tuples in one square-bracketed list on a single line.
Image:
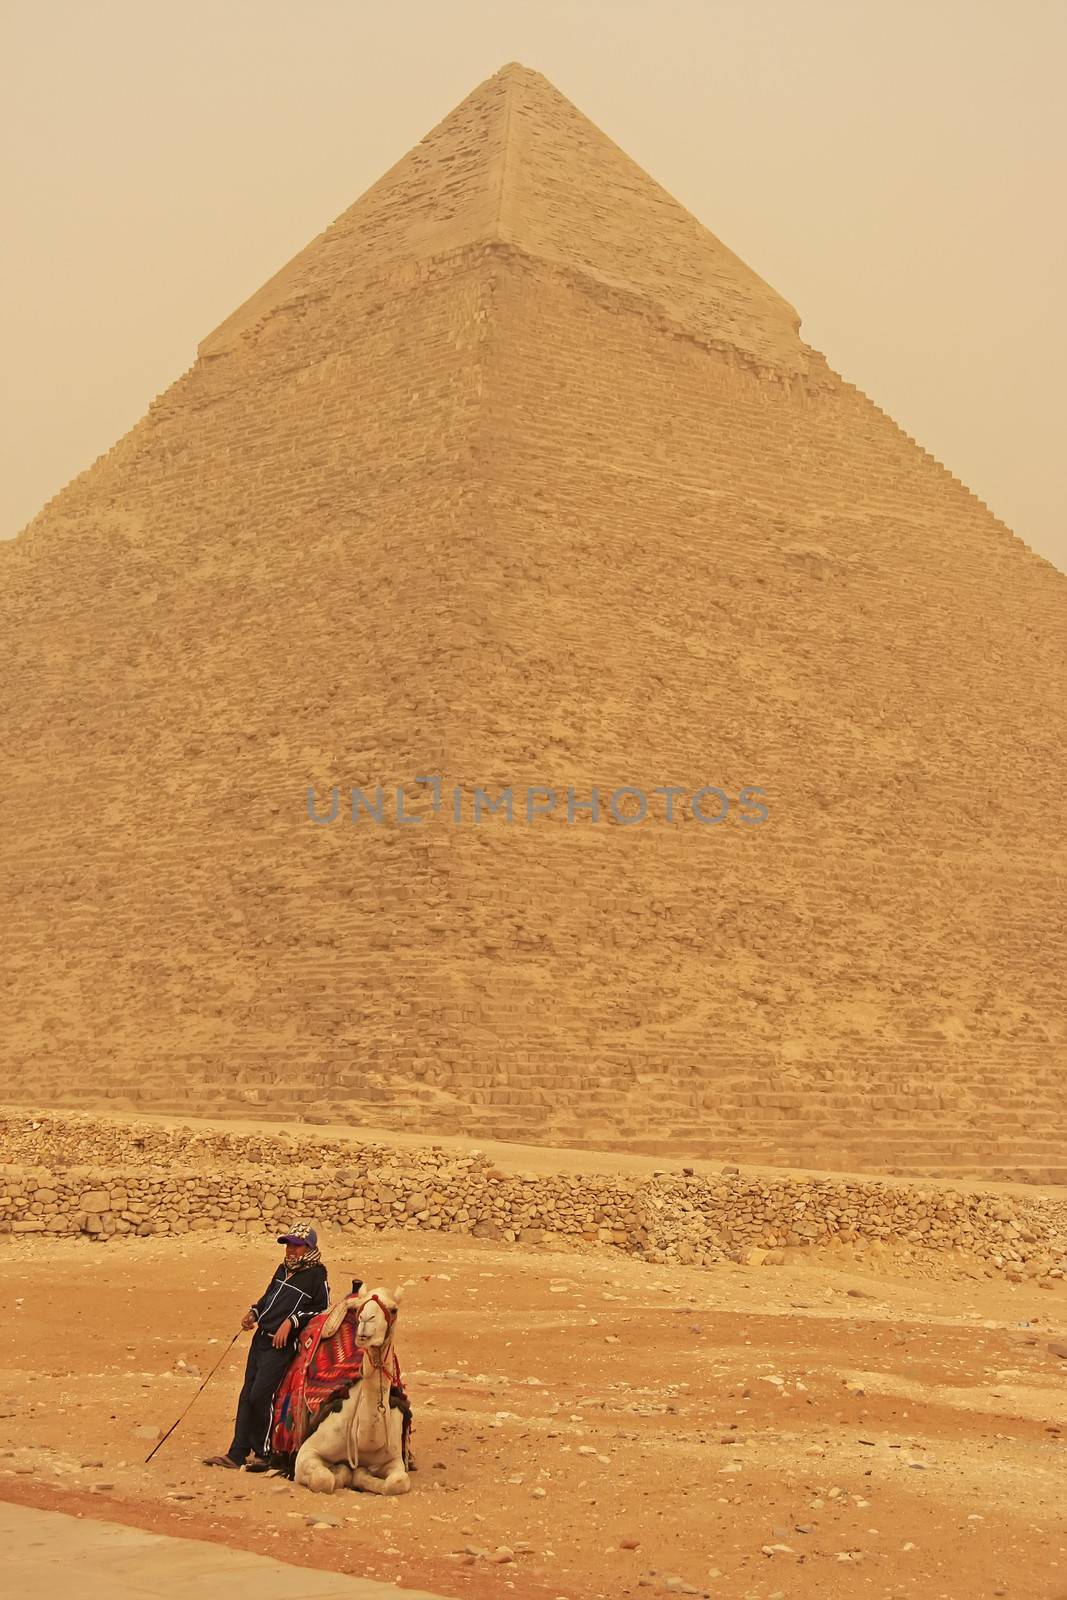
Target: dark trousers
[(264, 1371)]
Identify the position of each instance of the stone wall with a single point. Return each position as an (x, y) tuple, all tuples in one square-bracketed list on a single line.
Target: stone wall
[(151, 1182)]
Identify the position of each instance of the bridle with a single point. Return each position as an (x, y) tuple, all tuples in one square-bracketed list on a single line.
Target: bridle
[(389, 1312), (384, 1349)]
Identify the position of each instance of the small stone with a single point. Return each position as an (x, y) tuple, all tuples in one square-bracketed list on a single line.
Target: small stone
[(629, 1544)]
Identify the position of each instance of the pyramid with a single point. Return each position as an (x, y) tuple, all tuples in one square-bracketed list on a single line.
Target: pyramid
[(517, 478)]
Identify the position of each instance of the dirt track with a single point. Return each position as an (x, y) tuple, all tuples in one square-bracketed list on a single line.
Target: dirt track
[(907, 1444)]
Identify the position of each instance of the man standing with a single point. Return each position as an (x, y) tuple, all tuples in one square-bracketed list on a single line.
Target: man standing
[(298, 1290)]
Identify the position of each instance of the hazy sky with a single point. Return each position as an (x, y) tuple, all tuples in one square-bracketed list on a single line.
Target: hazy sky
[(896, 171)]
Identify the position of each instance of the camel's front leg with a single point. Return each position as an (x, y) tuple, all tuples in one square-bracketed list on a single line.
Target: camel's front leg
[(321, 1477), (394, 1481)]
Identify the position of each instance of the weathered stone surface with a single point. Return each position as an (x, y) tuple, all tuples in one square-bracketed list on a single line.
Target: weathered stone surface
[(557, 399)]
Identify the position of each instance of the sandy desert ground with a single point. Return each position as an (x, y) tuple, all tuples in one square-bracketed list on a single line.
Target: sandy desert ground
[(587, 1425)]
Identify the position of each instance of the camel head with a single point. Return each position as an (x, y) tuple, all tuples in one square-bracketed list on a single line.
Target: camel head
[(376, 1314)]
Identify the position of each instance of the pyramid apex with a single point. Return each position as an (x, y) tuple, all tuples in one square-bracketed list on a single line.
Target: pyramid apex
[(517, 163), (515, 72)]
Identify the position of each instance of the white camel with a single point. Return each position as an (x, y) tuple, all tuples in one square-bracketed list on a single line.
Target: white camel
[(361, 1445)]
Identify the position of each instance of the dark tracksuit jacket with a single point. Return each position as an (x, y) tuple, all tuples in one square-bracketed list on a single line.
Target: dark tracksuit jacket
[(298, 1297)]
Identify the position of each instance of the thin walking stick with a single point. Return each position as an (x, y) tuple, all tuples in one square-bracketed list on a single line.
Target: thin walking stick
[(196, 1396)]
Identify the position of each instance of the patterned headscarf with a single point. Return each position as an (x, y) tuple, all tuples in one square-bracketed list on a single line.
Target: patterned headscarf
[(308, 1258)]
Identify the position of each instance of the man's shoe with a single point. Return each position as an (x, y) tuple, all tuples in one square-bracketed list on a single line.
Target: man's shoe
[(222, 1461), (257, 1465)]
